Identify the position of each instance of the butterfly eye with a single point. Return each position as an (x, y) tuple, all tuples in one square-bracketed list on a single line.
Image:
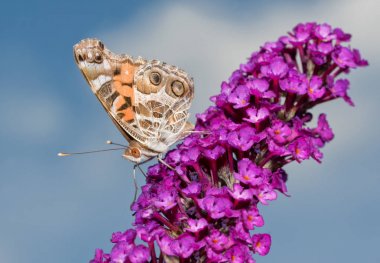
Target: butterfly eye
[(135, 152), (80, 58), (98, 58), (155, 78), (178, 88)]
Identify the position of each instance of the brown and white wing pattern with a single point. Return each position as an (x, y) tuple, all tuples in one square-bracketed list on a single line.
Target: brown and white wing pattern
[(163, 94), (147, 100), (111, 77)]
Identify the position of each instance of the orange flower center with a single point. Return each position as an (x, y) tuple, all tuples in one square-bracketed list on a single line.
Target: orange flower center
[(298, 151)]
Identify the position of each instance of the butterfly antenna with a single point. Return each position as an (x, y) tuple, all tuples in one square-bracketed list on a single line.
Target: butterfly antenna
[(62, 154), (114, 143)]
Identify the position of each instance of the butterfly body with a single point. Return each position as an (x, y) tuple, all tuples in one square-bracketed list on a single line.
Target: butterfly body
[(148, 101)]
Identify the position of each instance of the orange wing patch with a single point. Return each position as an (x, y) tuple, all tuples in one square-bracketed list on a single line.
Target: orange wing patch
[(122, 84), (127, 72), (123, 108)]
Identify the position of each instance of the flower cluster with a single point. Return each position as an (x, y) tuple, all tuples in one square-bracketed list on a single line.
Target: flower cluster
[(201, 204)]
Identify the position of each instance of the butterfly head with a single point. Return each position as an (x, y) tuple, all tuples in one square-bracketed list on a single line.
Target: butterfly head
[(138, 153)]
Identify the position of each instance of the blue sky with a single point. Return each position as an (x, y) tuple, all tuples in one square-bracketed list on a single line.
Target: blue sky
[(60, 209)]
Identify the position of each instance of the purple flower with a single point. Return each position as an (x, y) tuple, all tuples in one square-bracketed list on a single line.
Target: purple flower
[(173, 157), (252, 218), (301, 34), (279, 131), (193, 189), (150, 231), (240, 97), (164, 242), (294, 83), (300, 149), (216, 207), (215, 152), (323, 129), (277, 150), (257, 115), (213, 256), (259, 88), (315, 90), (241, 234), (120, 251), (323, 32), (276, 46), (265, 193), (243, 138), (240, 194), (183, 246), (358, 60), (98, 258), (344, 57), (219, 241), (226, 88), (261, 243), (277, 69), (166, 200), (249, 173), (128, 236), (238, 254), (320, 52), (139, 254), (190, 155), (341, 36), (325, 48), (279, 179), (195, 226), (339, 89)]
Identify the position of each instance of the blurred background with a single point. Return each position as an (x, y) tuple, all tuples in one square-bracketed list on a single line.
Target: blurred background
[(60, 209)]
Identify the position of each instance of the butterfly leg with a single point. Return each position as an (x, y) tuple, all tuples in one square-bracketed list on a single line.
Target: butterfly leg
[(199, 132), (163, 162), (138, 166)]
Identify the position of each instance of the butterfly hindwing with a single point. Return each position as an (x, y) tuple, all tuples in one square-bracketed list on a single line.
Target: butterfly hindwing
[(160, 112)]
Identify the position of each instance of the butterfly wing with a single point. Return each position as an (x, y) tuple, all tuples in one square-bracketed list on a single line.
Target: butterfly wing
[(163, 94), (110, 77), (147, 101)]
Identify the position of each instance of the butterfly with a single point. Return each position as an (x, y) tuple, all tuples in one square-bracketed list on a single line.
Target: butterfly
[(148, 101)]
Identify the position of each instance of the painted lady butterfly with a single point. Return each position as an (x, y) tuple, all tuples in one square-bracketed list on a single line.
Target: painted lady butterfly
[(148, 101)]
